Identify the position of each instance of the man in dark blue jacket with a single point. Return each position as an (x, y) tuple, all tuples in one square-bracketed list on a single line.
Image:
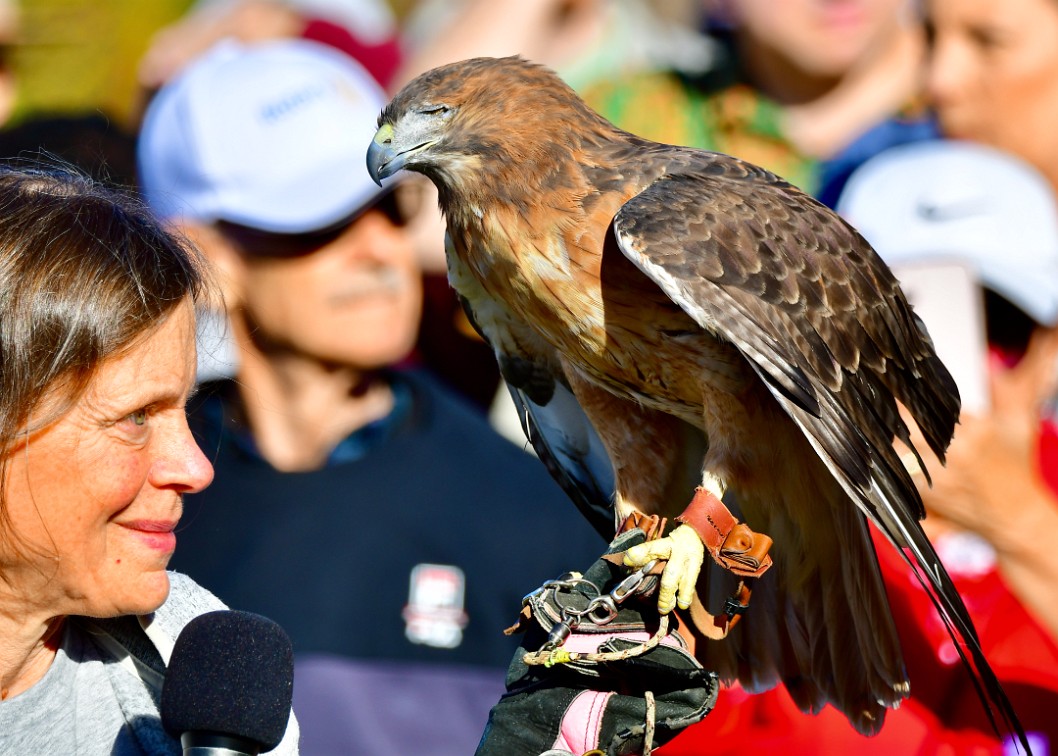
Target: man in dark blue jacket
[(363, 506)]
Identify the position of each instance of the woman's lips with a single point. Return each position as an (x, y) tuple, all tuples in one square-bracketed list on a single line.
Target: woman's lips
[(156, 534)]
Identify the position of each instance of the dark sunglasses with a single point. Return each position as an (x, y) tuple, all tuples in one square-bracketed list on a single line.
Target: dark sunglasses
[(254, 242)]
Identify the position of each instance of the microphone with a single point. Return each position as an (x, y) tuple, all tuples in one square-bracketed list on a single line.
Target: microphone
[(228, 688)]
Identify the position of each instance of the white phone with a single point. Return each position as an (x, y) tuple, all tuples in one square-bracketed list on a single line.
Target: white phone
[(948, 298)]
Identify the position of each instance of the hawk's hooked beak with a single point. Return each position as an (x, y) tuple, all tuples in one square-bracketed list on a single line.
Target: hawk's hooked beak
[(382, 159), (405, 145)]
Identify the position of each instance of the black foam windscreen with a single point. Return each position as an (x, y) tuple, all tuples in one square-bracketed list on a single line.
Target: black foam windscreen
[(231, 673)]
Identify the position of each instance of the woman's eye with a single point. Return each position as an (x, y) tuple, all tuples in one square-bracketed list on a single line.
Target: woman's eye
[(139, 417)]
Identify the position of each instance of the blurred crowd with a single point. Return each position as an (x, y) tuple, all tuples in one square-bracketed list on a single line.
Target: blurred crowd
[(372, 490)]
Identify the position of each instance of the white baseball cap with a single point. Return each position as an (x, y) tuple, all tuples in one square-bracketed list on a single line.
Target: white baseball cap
[(946, 200), (270, 135)]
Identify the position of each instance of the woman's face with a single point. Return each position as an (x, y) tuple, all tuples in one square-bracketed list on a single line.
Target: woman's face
[(94, 498), (820, 37), (993, 75)]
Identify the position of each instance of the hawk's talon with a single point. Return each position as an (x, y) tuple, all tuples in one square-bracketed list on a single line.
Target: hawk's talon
[(684, 552)]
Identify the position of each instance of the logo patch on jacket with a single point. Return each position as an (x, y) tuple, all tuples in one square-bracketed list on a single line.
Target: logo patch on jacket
[(434, 614)]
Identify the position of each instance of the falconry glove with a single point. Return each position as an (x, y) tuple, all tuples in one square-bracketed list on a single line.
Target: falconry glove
[(599, 669)]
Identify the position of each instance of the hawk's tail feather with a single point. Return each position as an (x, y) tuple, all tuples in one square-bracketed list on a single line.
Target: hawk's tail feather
[(928, 570), (933, 400), (886, 502), (864, 655), (837, 642)]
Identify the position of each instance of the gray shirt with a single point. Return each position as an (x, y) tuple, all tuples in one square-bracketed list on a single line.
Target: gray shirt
[(101, 693)]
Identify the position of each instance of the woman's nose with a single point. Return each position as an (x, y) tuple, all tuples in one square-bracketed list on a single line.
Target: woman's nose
[(181, 464)]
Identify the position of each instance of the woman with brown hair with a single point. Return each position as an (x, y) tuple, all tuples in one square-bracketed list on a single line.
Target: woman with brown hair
[(96, 363), (993, 75)]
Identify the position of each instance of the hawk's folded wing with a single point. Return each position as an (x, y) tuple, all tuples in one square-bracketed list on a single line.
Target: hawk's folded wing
[(821, 325)]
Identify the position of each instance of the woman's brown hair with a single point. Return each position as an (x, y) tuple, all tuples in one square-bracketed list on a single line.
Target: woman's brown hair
[(85, 272)]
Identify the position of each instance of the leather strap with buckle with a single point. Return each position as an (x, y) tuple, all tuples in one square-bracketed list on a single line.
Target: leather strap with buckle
[(732, 544)]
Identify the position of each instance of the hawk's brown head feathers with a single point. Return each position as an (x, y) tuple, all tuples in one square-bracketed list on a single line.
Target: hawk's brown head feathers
[(485, 116)]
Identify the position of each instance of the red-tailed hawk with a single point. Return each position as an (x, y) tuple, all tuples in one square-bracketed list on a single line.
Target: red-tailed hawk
[(672, 318)]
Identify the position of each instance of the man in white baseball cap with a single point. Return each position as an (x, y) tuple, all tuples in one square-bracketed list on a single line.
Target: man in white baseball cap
[(356, 501), (301, 104), (993, 510), (261, 144)]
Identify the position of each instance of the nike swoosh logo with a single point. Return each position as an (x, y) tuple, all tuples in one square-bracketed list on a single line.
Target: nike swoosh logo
[(935, 211)]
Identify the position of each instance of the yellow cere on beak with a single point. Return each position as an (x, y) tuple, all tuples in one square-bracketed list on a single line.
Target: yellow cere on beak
[(380, 154)]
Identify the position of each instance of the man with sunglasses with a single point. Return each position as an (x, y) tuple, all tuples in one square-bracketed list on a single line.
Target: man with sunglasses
[(356, 501)]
